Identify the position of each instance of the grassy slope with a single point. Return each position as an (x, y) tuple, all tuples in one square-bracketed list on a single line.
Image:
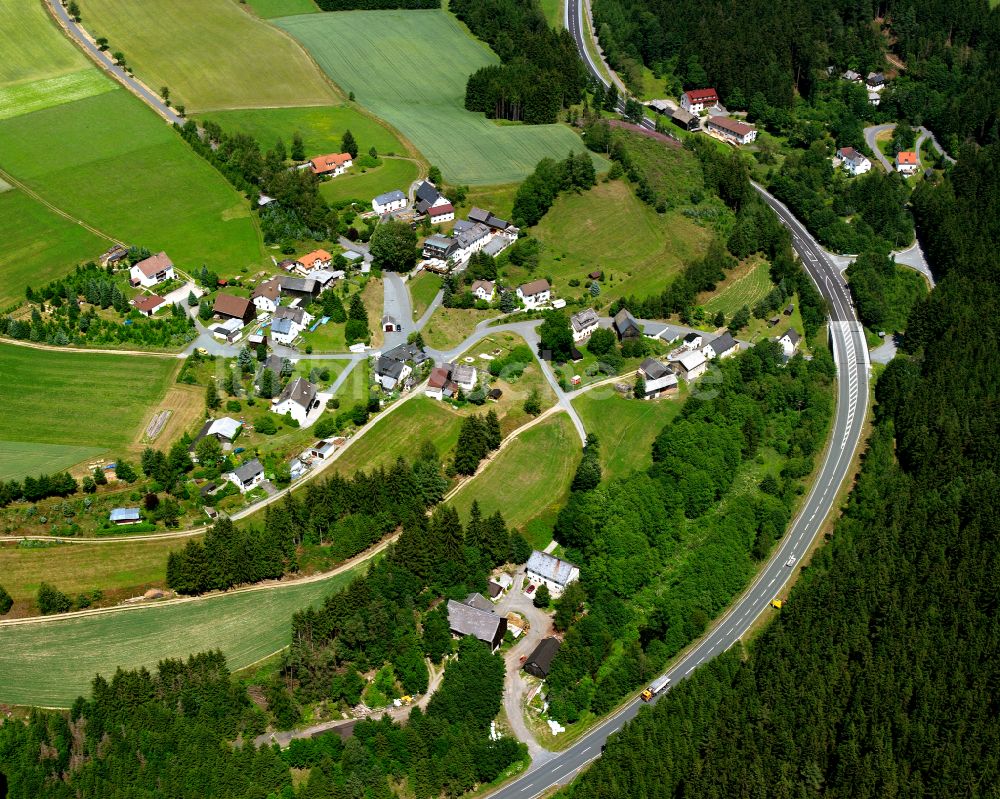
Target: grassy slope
[(625, 428), (394, 173), (528, 482), (37, 245), (401, 434), (133, 179), (132, 566), (423, 288), (210, 53), (50, 663), (267, 9), (374, 54), (321, 128), (553, 10), (78, 399), (608, 228), (747, 285), (449, 327)]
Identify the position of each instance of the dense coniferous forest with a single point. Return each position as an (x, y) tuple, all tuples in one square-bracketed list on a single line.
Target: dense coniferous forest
[(773, 49), (879, 677), (540, 71)]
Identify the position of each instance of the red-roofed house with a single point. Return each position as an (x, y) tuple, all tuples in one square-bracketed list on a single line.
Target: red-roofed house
[(333, 164), (696, 100), (732, 130), (441, 213), (317, 259), (907, 163), (148, 304), (151, 271)]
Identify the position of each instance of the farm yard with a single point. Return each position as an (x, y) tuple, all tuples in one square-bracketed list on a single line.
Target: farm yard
[(609, 229), (37, 245), (40, 68), (209, 53), (528, 496), (55, 660), (70, 404), (134, 180), (625, 428), (370, 53)]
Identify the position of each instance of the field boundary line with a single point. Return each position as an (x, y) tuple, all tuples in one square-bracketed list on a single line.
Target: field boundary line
[(33, 345), (269, 585), (34, 195)]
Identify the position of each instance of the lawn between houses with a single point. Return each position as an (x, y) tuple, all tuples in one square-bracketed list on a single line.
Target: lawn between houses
[(50, 663), (58, 402), (370, 53)]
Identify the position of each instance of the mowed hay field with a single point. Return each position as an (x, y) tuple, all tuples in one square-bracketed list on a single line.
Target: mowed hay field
[(394, 173), (609, 229), (625, 428), (123, 171), (746, 285), (39, 66), (529, 480), (282, 8), (410, 68), (87, 402), (49, 663), (37, 245), (210, 53)]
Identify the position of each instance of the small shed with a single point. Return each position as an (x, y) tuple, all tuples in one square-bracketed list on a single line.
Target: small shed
[(540, 661), (125, 516)]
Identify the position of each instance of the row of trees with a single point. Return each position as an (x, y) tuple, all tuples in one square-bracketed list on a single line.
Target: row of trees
[(32, 489), (539, 190), (540, 71), (876, 677), (648, 591)]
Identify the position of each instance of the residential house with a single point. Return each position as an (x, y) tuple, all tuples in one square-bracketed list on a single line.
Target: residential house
[(851, 76), (300, 288), (692, 365), (333, 164), (230, 306), (540, 660), (247, 476), (555, 573), (495, 225), (695, 101), (288, 322), (853, 162), (484, 625), (427, 197), (584, 323), (464, 376), (148, 304), (470, 240), (484, 290), (152, 270), (266, 295), (875, 81), (907, 163), (625, 325), (298, 399), (536, 293), (113, 256), (440, 248), (790, 341), (439, 384), (120, 516), (317, 259), (392, 367), (323, 450), (685, 119), (224, 430), (658, 377), (692, 341), (722, 347), (732, 130), (390, 201), (441, 213)]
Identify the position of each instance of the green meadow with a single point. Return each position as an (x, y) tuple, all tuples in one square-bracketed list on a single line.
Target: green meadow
[(51, 662), (410, 68), (127, 174)]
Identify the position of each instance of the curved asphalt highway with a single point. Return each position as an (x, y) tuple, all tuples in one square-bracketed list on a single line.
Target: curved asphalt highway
[(851, 356)]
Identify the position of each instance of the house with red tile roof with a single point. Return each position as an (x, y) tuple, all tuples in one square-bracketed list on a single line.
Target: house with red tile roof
[(695, 100), (333, 164), (907, 163)]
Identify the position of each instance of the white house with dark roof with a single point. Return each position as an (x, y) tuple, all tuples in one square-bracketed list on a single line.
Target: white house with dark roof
[(152, 270), (723, 346), (266, 295), (288, 322), (535, 293), (790, 341), (390, 201), (470, 240), (555, 573), (246, 477), (298, 399), (658, 377), (732, 130), (584, 323), (853, 162), (484, 290)]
